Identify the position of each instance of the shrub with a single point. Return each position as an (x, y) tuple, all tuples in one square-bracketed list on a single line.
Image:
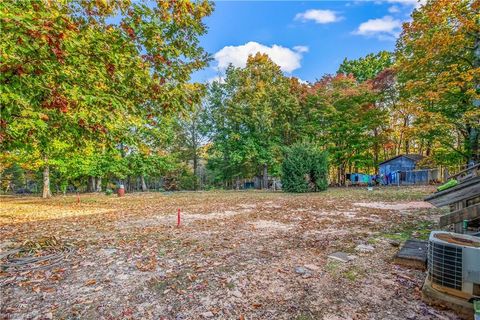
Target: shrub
[(188, 181), (304, 169), (109, 192)]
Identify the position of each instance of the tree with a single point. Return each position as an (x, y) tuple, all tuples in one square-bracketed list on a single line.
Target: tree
[(69, 77), (368, 67), (438, 69), (246, 113), (191, 137), (377, 69), (345, 116)]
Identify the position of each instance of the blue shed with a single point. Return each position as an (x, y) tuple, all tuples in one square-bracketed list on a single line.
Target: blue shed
[(403, 169), (403, 162)]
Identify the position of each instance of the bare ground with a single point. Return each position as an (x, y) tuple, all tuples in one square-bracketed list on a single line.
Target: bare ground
[(237, 255)]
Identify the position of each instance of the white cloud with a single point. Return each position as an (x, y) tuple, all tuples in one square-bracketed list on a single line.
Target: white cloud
[(318, 16), (288, 59), (301, 49), (394, 9), (415, 3), (383, 28)]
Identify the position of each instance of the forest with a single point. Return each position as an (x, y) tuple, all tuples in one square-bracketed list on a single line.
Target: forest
[(99, 93)]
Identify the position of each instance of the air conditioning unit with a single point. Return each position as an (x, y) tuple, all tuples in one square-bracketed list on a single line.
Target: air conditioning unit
[(454, 264)]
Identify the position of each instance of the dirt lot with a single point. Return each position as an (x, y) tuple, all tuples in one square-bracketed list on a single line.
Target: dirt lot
[(237, 255)]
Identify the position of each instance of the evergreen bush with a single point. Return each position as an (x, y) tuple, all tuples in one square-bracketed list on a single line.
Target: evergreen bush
[(304, 169)]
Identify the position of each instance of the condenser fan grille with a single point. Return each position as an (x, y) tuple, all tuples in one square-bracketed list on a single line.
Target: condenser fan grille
[(445, 265)]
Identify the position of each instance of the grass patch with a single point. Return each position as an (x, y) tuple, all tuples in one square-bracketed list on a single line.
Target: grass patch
[(332, 267), (354, 274), (372, 240), (419, 230), (338, 269), (351, 275)]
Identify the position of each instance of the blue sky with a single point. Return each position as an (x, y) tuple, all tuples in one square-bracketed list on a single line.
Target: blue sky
[(306, 38)]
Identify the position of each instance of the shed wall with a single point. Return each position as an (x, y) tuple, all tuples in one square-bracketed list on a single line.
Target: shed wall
[(398, 164)]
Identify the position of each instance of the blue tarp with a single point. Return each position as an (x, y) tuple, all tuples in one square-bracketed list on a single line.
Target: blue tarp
[(358, 178)]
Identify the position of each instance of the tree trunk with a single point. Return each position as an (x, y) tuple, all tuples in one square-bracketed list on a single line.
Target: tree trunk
[(407, 146), (473, 145), (265, 177), (376, 150), (398, 148), (144, 185), (428, 151), (341, 175), (338, 175), (194, 144), (406, 124), (91, 184), (402, 135), (99, 184), (46, 182), (195, 168)]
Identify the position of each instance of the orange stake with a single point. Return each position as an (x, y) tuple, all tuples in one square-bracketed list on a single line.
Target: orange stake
[(178, 218)]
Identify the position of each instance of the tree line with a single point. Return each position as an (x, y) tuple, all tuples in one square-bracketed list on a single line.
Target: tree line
[(90, 102)]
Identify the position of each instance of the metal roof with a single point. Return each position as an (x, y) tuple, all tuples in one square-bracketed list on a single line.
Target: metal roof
[(414, 157)]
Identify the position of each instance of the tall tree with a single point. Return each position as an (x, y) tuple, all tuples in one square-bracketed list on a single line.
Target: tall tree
[(368, 67), (68, 76), (438, 69), (375, 68), (191, 137), (248, 113), (345, 116)]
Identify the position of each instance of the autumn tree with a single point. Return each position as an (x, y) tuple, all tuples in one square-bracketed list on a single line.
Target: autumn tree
[(438, 68), (377, 69), (70, 78), (345, 115)]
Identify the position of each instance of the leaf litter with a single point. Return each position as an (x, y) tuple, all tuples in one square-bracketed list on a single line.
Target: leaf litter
[(237, 255)]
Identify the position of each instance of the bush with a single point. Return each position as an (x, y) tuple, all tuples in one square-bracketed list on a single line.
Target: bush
[(109, 192), (181, 178), (304, 169), (188, 181)]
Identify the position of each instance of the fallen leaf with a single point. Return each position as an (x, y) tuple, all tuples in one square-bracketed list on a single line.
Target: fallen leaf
[(90, 282)]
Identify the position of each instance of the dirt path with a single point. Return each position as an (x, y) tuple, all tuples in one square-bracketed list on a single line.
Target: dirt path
[(238, 255)]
